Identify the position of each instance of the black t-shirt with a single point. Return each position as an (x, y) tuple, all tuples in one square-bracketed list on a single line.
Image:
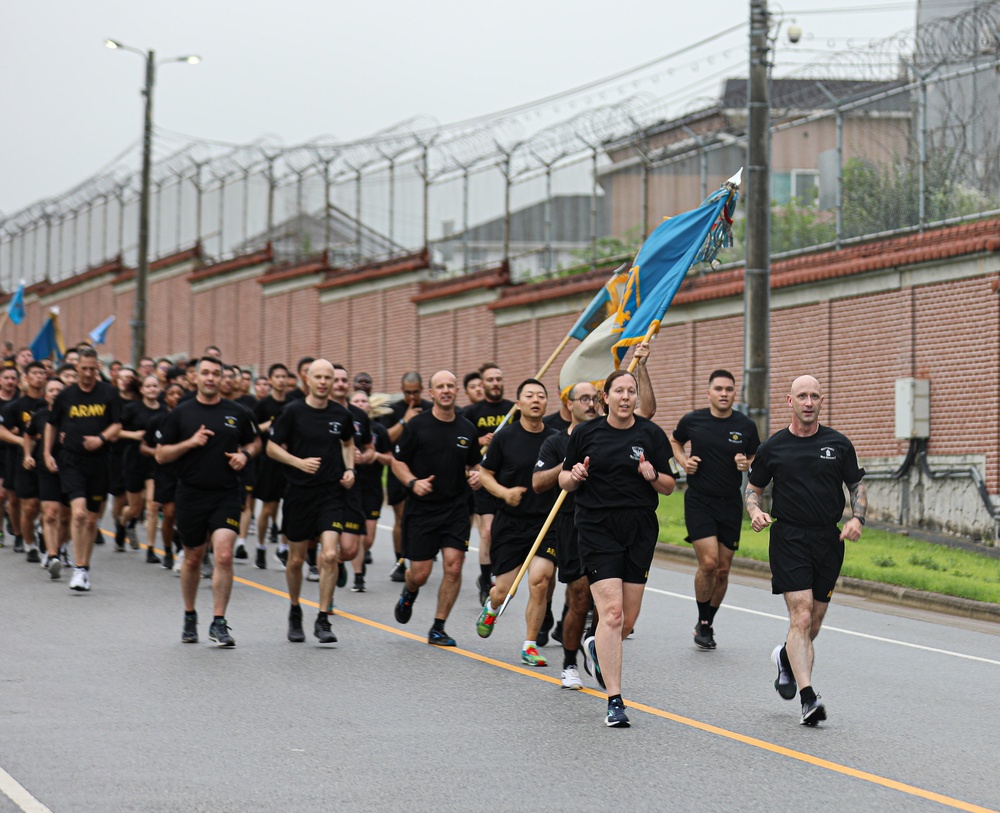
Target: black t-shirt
[(78, 414), (613, 480), (136, 416), (294, 394), (512, 457), (266, 410), (717, 441), (370, 474), (16, 414), (552, 454), (310, 432), (809, 475), (247, 400), (207, 467), (399, 410), (556, 422), (362, 426), (4, 403), (36, 430), (442, 448), (486, 415)]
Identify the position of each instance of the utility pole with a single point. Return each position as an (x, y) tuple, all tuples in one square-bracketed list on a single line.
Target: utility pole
[(142, 266), (757, 275)]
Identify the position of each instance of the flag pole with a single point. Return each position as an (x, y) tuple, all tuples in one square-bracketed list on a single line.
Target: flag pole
[(650, 333)]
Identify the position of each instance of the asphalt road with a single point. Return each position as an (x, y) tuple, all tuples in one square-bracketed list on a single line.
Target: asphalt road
[(103, 709)]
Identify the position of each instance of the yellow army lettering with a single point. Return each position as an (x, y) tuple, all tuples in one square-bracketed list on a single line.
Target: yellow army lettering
[(491, 421), (234, 522), (87, 410)]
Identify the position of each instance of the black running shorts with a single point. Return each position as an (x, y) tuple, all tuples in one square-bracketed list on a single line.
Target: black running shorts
[(721, 517), (50, 488), (309, 511), (805, 559), (116, 472), (485, 503), (164, 486), (84, 476), (431, 528), (617, 543), (353, 515), (201, 513), (371, 502), (511, 537), (26, 483), (270, 485), (568, 550)]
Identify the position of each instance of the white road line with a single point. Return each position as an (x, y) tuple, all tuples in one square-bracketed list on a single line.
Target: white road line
[(840, 630), (15, 791)]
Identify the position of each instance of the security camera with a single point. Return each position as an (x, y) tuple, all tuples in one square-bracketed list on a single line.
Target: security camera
[(794, 34)]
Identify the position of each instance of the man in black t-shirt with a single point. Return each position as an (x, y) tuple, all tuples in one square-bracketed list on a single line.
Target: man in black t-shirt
[(402, 412), (313, 438), (370, 486), (723, 444), (85, 418), (487, 416), (583, 400), (8, 499), (209, 440), (809, 465), (436, 458), (269, 481), (505, 473)]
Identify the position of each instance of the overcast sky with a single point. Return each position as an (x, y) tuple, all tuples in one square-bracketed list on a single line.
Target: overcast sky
[(304, 68)]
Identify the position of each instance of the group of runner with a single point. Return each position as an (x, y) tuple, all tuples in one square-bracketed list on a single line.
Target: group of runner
[(574, 490)]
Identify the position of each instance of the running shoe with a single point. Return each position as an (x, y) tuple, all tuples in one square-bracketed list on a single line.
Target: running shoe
[(321, 629), (168, 560), (179, 562), (18, 544), (295, 632), (261, 559), (341, 574), (220, 633), (440, 638), (547, 624), (54, 567), (571, 678), (368, 557), (704, 636), (359, 584), (273, 534), (282, 557), (557, 634), (532, 657), (189, 635), (80, 580), (813, 712), (151, 557), (119, 537), (404, 607), (312, 575), (64, 556), (33, 557), (590, 646), (240, 550), (133, 536), (784, 684), (487, 618), (398, 572), (617, 718)]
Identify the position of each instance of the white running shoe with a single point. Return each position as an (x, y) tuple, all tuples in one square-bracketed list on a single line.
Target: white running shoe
[(178, 562), (571, 678), (54, 567), (80, 580)]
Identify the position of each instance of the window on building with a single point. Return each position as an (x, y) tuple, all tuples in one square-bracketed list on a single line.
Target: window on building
[(802, 184)]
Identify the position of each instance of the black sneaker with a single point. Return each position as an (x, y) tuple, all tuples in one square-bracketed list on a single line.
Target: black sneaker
[(220, 633), (34, 557), (282, 556), (295, 633), (440, 638), (784, 683), (404, 607), (590, 646), (813, 712), (557, 632), (398, 572), (18, 544), (189, 635), (341, 575), (119, 538), (273, 534), (543, 631), (168, 560), (617, 718), (484, 589), (368, 557), (151, 557), (261, 559), (321, 629), (240, 550), (704, 636), (359, 585)]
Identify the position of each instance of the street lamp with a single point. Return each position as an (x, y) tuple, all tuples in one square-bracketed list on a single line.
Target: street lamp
[(138, 322)]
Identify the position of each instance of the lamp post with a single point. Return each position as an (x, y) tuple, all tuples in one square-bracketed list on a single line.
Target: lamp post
[(138, 323)]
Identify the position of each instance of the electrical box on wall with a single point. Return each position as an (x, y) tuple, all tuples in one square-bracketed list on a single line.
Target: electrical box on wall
[(913, 408)]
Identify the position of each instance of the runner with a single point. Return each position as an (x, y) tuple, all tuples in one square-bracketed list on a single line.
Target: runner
[(210, 440), (128, 392), (9, 380), (54, 507), (269, 486), (164, 483), (314, 438), (138, 465), (436, 457), (618, 465), (370, 484), (723, 444)]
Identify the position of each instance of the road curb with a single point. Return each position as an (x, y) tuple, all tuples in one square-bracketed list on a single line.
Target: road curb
[(877, 591)]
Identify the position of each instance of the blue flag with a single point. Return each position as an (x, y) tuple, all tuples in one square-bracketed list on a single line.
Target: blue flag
[(99, 335), (604, 303), (15, 308), (49, 340)]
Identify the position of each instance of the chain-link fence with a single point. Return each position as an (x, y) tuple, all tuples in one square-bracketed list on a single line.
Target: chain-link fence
[(851, 158)]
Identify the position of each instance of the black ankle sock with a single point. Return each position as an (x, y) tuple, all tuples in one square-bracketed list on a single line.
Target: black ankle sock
[(569, 657), (704, 612), (807, 695), (219, 619), (613, 697), (711, 614), (438, 625), (191, 614)]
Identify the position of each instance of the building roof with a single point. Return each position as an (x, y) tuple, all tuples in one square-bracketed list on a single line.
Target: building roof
[(570, 223)]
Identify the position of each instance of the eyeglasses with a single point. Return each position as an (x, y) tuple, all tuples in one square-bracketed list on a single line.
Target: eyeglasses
[(586, 399)]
